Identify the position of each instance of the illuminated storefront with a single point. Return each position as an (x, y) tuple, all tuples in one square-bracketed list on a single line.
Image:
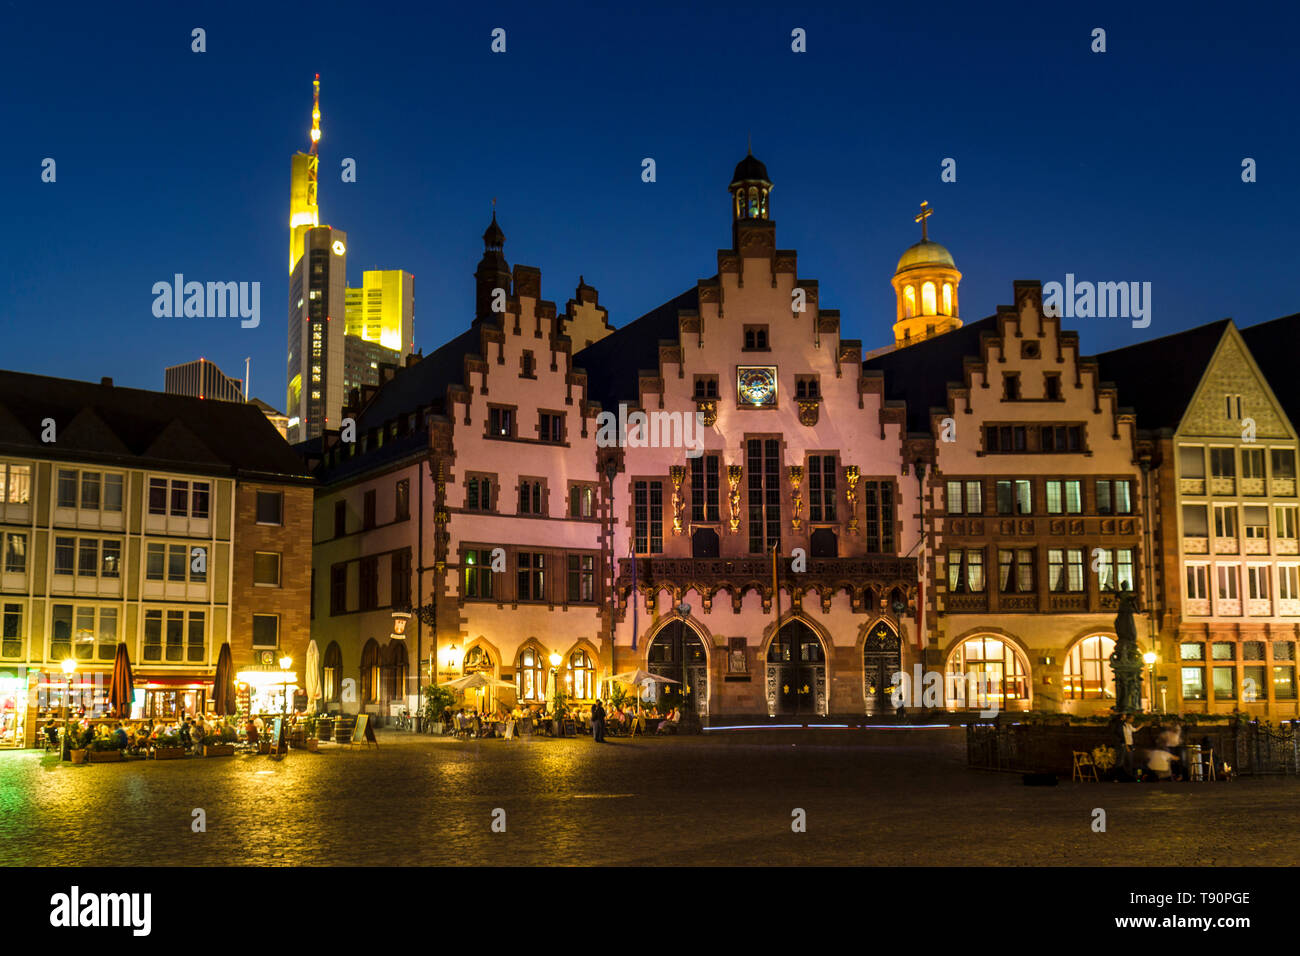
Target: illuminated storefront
[(13, 707), (266, 690)]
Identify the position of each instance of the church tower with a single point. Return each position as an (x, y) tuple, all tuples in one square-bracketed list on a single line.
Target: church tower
[(752, 230), (493, 271), (925, 285)]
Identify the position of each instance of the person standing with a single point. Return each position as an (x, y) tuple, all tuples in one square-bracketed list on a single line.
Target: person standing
[(1124, 735), (598, 722)]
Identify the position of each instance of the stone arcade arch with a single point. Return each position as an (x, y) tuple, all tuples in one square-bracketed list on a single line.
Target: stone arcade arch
[(795, 671), (881, 660), (679, 651)]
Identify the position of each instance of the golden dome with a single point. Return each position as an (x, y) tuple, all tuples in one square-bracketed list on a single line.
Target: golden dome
[(925, 253)]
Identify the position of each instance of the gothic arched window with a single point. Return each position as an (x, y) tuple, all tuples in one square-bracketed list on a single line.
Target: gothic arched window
[(909, 302), (947, 298)]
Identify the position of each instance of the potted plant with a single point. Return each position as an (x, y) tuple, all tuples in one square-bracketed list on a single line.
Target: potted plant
[(436, 701), (167, 746), (220, 742), (75, 735), (105, 747)]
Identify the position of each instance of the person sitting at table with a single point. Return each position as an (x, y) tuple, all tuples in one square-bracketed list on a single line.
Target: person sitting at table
[(120, 734), (250, 732), (52, 732), (669, 723), (197, 733), (87, 736)]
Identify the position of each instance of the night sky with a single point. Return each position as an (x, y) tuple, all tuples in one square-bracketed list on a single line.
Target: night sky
[(1119, 166)]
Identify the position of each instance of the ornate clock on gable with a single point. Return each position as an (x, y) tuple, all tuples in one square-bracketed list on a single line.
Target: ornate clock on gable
[(756, 386)]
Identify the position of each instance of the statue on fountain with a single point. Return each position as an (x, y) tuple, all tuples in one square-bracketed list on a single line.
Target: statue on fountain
[(1125, 660)]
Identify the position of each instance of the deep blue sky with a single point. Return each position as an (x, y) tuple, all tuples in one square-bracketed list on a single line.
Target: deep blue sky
[(1122, 166)]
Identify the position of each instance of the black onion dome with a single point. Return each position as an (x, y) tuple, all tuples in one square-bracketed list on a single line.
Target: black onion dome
[(750, 169)]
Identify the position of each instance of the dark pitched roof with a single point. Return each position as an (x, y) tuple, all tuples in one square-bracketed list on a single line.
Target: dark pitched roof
[(1273, 344), (919, 374), (137, 428), (612, 364), (1158, 378), (422, 385)]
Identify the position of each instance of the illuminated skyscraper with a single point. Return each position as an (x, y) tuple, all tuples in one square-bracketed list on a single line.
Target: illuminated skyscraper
[(304, 211), (316, 305), (382, 310)]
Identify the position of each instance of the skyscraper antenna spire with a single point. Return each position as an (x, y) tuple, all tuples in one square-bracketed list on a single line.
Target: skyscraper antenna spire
[(315, 113)]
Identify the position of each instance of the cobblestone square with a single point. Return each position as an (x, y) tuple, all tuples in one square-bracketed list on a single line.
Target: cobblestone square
[(876, 798)]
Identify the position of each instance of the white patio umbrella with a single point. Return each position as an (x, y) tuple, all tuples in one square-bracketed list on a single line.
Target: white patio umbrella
[(480, 682), (638, 679), (312, 673)]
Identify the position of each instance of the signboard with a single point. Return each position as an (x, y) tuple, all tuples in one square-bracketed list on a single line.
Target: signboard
[(277, 735), (362, 729), (400, 621)]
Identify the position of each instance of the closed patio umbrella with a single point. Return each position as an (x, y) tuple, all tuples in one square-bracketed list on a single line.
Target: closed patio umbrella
[(312, 675), (223, 685), (121, 688)]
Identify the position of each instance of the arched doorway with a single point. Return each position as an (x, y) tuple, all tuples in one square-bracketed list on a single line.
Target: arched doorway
[(678, 652), (796, 671), (987, 672), (1088, 675), (370, 673), (881, 660)]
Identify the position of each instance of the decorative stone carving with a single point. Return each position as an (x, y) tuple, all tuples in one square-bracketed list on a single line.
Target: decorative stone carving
[(708, 409), (677, 474), (809, 410), (733, 484), (796, 497), (851, 476)]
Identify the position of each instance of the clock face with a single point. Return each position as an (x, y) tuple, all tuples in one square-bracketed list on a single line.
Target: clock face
[(756, 385), (268, 658)]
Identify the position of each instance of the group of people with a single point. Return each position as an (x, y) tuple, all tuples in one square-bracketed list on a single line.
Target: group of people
[(141, 736), (622, 717), (1168, 760)]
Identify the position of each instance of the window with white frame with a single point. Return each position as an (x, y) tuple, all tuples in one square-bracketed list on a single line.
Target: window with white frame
[(1257, 582), (15, 483), (1198, 582), (1226, 576)]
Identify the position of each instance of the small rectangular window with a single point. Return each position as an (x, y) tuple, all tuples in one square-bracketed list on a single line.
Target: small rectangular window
[(266, 630), (266, 568), (270, 507)]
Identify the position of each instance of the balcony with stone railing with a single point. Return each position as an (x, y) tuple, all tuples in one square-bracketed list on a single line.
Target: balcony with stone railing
[(1259, 607), (1198, 607), (1288, 607), (1196, 544), (1257, 545), (1226, 546), (1191, 486), (1228, 607), (1282, 487), (1069, 602), (1223, 485), (965, 601), (1286, 546), (1252, 486)]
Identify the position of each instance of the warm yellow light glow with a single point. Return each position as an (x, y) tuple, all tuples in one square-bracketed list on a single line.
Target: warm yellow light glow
[(267, 678), (555, 659), (286, 662), (69, 665), (1149, 657)]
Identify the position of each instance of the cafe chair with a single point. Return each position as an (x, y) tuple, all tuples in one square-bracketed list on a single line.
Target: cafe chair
[(1084, 767)]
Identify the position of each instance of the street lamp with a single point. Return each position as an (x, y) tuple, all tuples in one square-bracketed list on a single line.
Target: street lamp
[(286, 662), (1150, 658), (556, 660), (69, 668)]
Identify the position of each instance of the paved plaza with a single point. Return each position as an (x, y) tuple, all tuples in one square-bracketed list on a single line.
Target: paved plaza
[(874, 797)]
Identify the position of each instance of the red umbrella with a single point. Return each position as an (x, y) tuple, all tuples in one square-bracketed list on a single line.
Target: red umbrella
[(223, 685), (121, 689)]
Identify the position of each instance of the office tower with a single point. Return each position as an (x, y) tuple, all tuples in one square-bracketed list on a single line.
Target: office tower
[(316, 302), (202, 379), (383, 309)]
